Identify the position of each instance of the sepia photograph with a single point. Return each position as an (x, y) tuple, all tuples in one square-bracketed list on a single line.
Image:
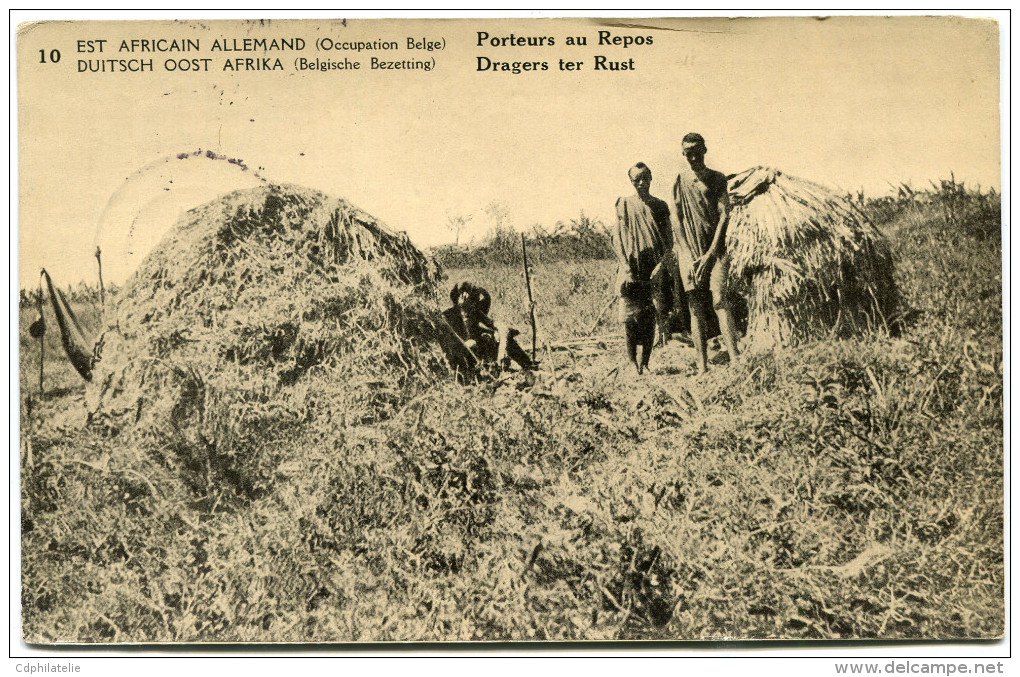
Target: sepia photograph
[(509, 331)]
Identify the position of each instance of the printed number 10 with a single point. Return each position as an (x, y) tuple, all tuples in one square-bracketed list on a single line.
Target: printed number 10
[(54, 56)]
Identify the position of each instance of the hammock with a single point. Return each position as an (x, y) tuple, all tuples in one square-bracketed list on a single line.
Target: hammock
[(77, 346)]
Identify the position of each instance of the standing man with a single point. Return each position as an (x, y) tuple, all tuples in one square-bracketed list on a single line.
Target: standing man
[(642, 239), (703, 211)]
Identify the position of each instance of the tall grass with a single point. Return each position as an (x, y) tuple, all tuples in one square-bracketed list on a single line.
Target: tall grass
[(843, 489), (580, 239)]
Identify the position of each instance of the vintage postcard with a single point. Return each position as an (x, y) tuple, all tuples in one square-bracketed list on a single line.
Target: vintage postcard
[(510, 330)]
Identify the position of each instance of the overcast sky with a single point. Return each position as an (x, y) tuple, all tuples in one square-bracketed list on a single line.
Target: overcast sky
[(848, 102)]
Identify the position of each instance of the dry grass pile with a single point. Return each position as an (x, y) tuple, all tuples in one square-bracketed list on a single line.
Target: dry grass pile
[(809, 263), (261, 312)]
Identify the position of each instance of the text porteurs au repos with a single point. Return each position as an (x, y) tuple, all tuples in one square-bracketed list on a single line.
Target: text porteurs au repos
[(327, 53)]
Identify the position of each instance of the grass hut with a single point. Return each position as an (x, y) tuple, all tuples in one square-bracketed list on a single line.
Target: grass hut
[(259, 313), (809, 263)]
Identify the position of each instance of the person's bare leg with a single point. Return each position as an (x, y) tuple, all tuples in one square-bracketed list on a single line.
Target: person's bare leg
[(661, 323), (727, 327), (630, 329), (646, 351), (501, 352), (723, 308), (699, 323), (660, 284)]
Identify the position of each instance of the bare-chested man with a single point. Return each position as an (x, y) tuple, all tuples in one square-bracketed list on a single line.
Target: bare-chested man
[(703, 212), (642, 239)]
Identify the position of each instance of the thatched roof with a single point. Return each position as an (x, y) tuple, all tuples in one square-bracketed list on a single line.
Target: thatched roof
[(276, 304), (808, 261)]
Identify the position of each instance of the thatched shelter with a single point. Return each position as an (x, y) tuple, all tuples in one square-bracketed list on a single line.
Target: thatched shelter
[(265, 309), (809, 263)]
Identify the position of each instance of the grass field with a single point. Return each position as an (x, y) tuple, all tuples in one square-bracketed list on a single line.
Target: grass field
[(842, 489)]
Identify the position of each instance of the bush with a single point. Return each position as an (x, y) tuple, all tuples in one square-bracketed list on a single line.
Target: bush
[(582, 239)]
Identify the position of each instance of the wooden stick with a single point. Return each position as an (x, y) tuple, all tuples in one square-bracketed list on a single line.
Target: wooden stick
[(582, 340), (102, 290), (531, 301), (42, 337), (612, 300)]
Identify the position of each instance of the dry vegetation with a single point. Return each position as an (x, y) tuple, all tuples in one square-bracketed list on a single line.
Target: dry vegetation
[(809, 262), (842, 489)]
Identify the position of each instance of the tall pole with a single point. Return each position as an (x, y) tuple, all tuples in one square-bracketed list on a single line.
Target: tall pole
[(42, 337), (531, 301), (102, 290)]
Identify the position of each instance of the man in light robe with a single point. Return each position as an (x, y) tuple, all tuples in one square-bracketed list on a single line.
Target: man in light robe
[(703, 211), (643, 242)]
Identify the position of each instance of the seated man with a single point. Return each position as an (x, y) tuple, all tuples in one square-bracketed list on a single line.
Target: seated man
[(469, 319)]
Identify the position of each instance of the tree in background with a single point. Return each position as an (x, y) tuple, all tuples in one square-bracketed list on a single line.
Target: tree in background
[(457, 224)]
